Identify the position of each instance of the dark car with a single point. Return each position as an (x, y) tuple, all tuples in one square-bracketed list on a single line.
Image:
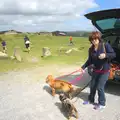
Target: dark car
[(108, 23)]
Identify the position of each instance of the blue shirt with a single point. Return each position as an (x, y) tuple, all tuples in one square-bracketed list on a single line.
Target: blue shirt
[(26, 39), (3, 43), (99, 64)]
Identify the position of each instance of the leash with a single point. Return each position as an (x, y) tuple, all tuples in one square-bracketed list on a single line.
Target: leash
[(77, 79), (81, 91), (68, 74), (74, 80)]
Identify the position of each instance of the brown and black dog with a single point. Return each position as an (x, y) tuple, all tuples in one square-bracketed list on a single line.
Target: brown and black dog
[(59, 85), (68, 106)]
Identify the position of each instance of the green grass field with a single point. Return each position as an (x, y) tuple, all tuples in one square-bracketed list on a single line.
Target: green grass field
[(38, 42)]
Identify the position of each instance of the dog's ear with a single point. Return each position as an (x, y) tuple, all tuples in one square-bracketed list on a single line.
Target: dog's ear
[(49, 77), (60, 97)]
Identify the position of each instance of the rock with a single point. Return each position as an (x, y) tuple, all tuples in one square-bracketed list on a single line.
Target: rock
[(75, 49), (46, 52), (16, 54), (62, 49), (12, 57), (68, 51), (3, 54), (72, 49)]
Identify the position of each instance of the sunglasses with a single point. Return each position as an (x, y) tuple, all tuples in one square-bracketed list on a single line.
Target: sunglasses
[(94, 39)]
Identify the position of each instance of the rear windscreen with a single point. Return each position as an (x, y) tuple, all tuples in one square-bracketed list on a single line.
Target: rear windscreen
[(111, 23)]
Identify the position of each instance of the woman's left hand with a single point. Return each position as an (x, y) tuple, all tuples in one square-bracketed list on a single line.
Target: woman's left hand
[(102, 56)]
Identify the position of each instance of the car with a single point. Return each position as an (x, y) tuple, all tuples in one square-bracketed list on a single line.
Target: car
[(108, 23)]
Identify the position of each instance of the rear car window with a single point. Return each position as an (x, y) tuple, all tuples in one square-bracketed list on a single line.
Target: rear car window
[(111, 23)]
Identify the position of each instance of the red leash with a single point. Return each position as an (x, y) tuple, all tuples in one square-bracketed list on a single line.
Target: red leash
[(69, 73), (74, 80)]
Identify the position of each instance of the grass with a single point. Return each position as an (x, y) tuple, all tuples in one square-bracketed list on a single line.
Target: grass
[(38, 42)]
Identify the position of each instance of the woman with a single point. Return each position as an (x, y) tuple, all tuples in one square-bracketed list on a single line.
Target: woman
[(99, 55)]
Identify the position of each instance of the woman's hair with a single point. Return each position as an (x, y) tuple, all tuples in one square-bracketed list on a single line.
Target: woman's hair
[(95, 35)]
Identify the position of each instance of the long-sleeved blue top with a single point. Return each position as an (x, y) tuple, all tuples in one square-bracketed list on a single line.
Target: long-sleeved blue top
[(3, 43), (100, 63), (26, 39)]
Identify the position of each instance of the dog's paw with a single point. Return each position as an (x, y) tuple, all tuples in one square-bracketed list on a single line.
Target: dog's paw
[(53, 96)]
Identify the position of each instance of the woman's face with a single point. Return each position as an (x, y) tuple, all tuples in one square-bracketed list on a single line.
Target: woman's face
[(95, 41)]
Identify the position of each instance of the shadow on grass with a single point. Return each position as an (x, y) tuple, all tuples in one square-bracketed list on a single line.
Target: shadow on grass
[(25, 50)]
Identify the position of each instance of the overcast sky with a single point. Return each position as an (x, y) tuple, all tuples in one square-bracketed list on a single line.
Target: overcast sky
[(46, 15)]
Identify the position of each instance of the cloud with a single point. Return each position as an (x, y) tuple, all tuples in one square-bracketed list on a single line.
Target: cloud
[(28, 13)]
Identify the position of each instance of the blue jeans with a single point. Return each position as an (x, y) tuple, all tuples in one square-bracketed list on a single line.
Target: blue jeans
[(98, 83)]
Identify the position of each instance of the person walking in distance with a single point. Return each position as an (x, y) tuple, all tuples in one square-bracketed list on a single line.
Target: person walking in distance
[(71, 40), (3, 42), (27, 43)]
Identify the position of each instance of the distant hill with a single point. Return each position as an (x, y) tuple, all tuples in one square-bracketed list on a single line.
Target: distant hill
[(54, 33), (78, 33), (72, 33), (10, 32)]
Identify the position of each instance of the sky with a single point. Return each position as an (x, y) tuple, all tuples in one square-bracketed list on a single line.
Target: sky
[(50, 15)]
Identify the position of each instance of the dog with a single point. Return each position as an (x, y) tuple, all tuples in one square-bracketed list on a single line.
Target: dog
[(59, 85), (68, 105)]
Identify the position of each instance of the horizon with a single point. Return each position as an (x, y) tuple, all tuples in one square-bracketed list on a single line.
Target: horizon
[(47, 31)]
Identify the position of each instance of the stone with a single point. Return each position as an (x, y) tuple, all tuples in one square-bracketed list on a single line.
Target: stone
[(72, 49), (46, 52), (3, 54), (16, 54), (68, 51)]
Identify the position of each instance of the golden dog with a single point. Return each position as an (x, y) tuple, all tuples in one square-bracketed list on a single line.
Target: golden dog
[(59, 85)]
